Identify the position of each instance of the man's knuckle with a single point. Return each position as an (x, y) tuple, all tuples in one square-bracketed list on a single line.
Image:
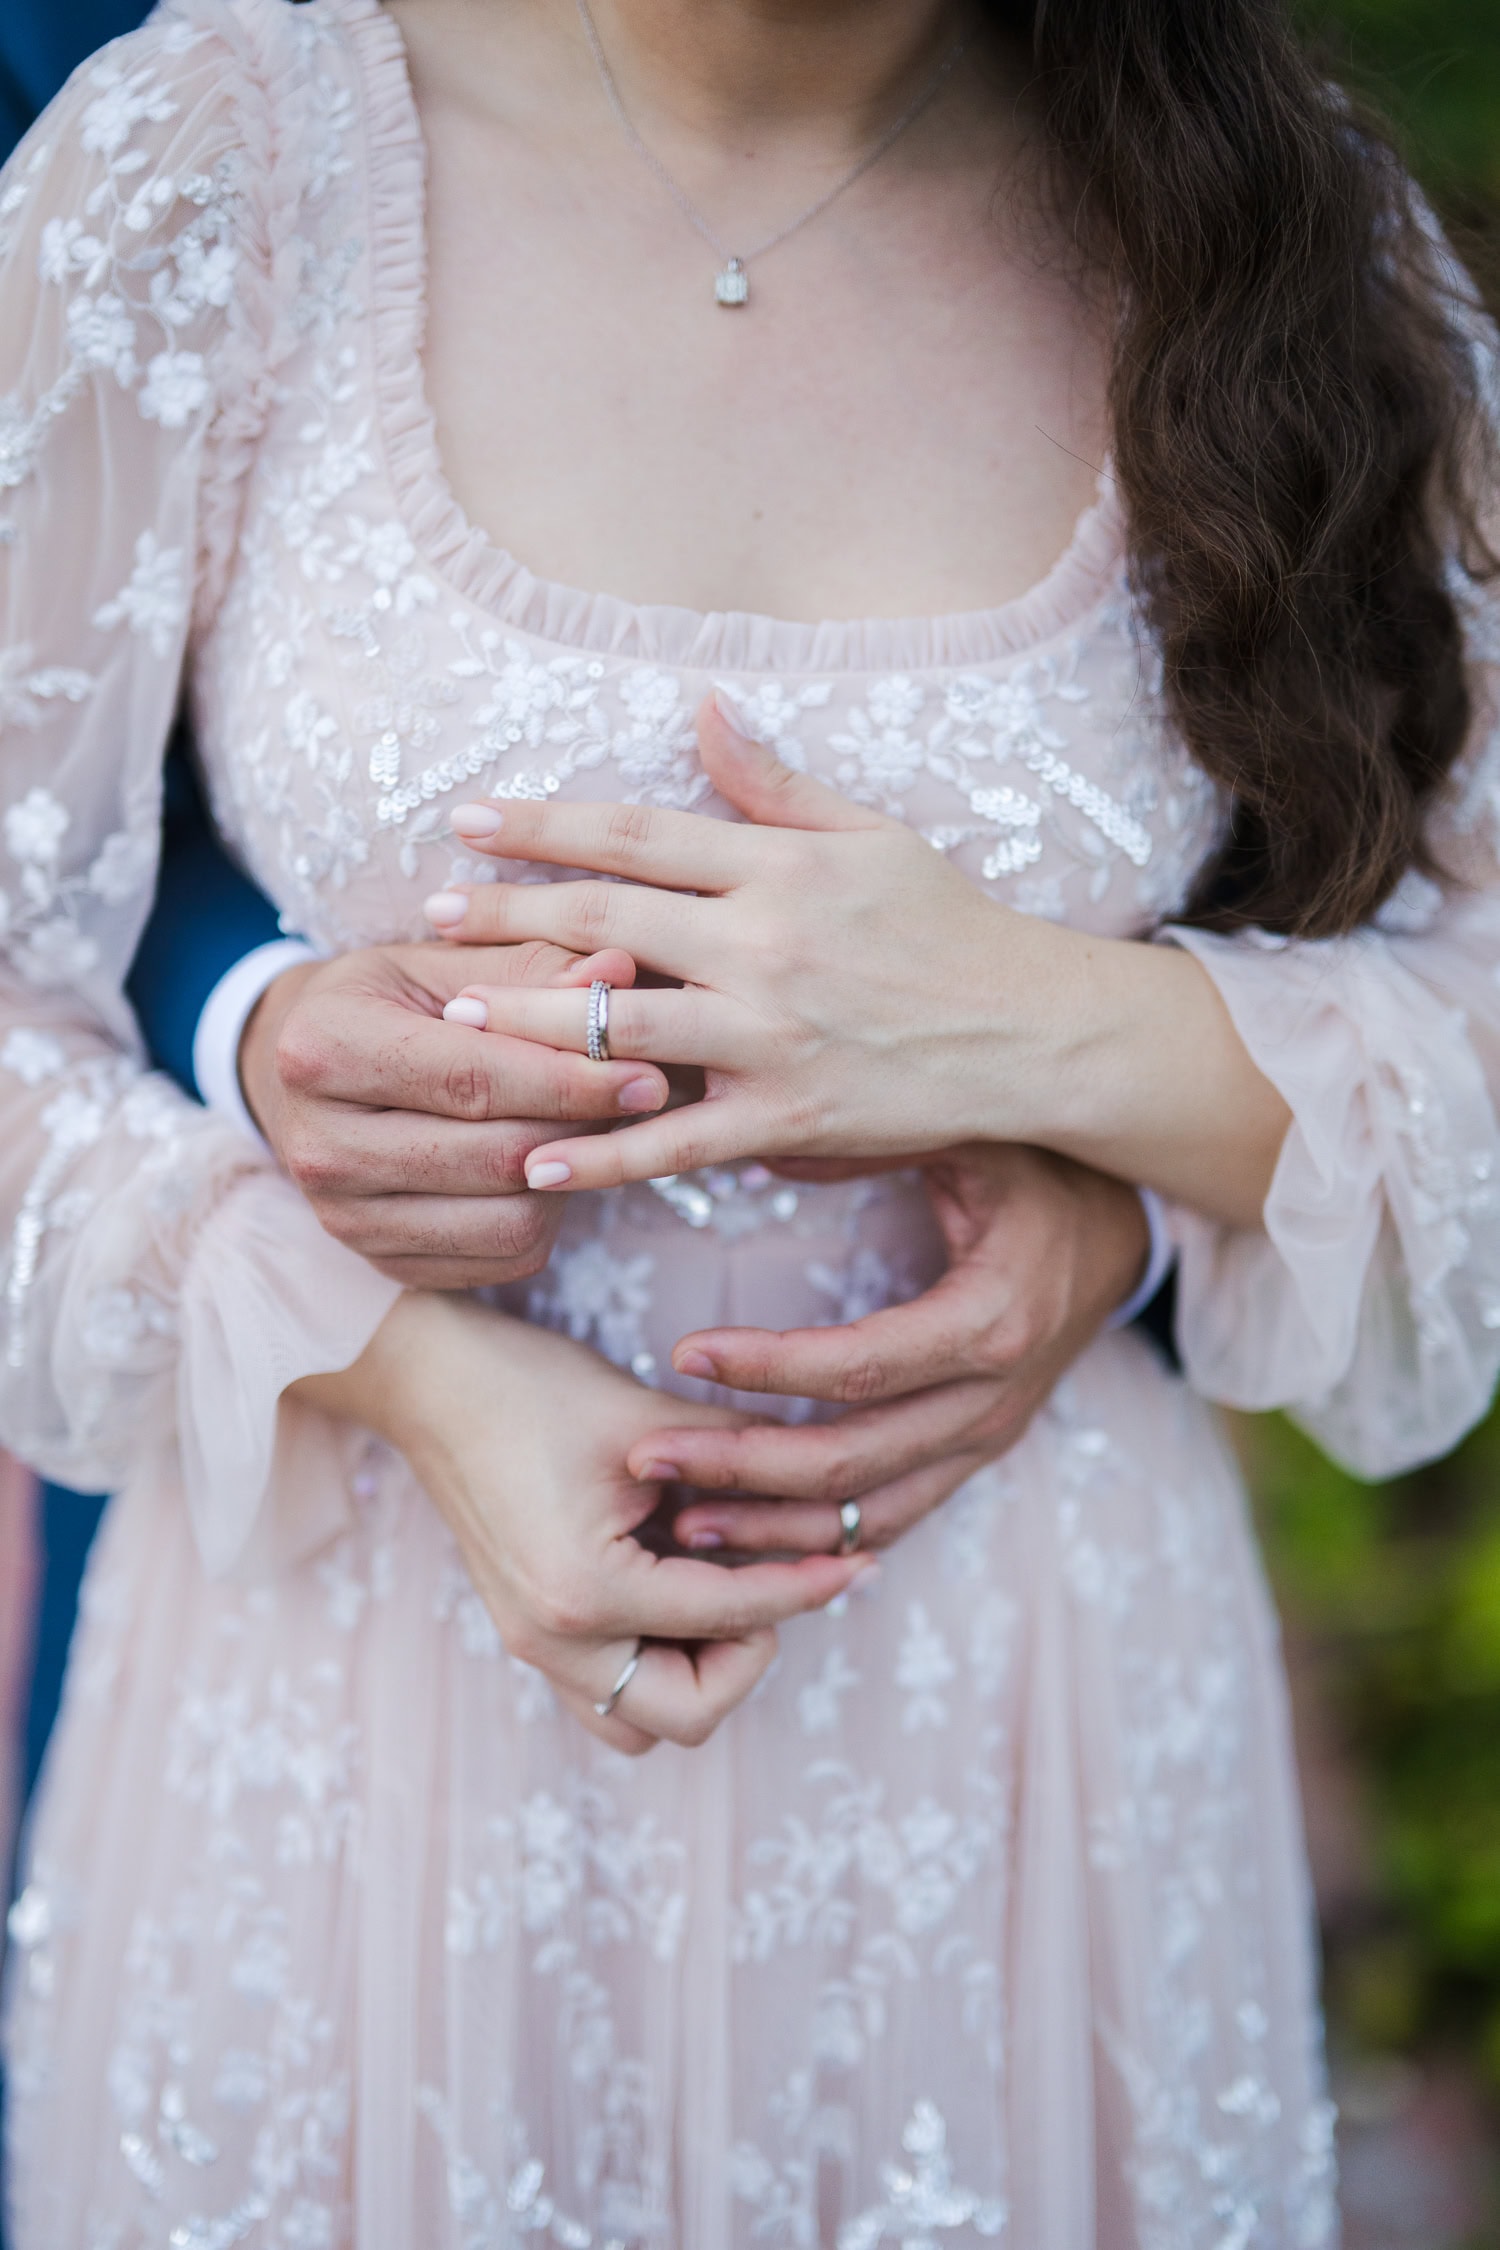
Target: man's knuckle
[(304, 1054), (318, 1169), (861, 1378), (466, 1088)]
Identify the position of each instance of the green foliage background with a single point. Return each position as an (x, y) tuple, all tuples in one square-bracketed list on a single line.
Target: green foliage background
[(1392, 1593)]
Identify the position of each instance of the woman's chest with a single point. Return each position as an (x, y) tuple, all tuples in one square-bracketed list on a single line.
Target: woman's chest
[(375, 662)]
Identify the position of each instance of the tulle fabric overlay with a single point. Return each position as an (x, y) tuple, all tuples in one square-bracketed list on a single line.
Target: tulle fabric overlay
[(986, 1918)]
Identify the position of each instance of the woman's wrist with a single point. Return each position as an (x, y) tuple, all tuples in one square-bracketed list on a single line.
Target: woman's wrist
[(1146, 1077), (397, 1387)]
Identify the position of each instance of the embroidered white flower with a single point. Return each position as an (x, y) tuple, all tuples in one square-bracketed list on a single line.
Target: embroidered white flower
[(19, 437), (31, 1055), (385, 551), (154, 601), (923, 1669), (68, 248), (35, 828), (101, 332), (125, 101), (176, 386)]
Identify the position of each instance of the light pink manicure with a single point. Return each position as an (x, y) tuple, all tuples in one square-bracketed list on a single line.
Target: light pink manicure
[(465, 1010), (445, 909), (548, 1175), (700, 1541), (695, 1363), (659, 1472), (476, 821)]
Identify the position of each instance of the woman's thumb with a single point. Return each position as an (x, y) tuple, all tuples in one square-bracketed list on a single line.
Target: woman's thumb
[(762, 786)]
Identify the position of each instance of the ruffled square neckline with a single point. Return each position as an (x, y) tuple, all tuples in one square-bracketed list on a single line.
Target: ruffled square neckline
[(486, 574)]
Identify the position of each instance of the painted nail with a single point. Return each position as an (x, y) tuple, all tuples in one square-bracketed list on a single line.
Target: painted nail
[(695, 1363), (700, 1541), (476, 821), (465, 1010), (548, 1175), (660, 1472), (445, 909), (867, 1578), (641, 1093)]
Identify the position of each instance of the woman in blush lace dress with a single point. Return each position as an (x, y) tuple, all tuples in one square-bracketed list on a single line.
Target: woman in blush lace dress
[(1030, 469)]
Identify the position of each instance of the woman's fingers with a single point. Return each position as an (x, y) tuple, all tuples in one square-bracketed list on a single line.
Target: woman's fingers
[(616, 1731), (768, 1527), (717, 1131), (830, 1461), (658, 928), (760, 785), (684, 1026), (681, 1695), (674, 1599), (679, 851)]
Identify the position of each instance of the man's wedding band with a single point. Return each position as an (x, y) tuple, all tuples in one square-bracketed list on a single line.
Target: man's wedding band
[(850, 1519), (606, 1708), (599, 1021)]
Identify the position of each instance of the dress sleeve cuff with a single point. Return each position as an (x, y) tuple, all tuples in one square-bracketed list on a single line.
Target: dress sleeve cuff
[(268, 1297), (226, 1011), (1161, 1256)]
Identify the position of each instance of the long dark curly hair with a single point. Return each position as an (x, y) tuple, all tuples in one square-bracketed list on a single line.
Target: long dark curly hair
[(1298, 437)]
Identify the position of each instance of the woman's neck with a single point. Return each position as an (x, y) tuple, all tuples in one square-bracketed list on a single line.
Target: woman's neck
[(834, 71)]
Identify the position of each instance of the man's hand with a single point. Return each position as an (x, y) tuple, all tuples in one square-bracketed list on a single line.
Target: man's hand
[(408, 1135), (1041, 1252)]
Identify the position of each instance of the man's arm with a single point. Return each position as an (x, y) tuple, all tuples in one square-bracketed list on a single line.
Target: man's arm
[(207, 916)]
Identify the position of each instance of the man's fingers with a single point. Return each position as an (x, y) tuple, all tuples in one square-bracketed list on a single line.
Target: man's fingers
[(831, 1461), (887, 1354), (761, 1527), (717, 1131), (385, 1058)]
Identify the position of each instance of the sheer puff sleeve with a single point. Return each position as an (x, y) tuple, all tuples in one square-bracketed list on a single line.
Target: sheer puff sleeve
[(163, 1283), (1369, 1303)]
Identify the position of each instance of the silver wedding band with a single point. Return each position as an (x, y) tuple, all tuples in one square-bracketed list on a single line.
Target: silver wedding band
[(599, 1021), (606, 1708), (849, 1518)]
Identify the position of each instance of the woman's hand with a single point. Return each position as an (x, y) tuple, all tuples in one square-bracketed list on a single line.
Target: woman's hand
[(848, 993), (520, 1437), (408, 1146), (1042, 1252)]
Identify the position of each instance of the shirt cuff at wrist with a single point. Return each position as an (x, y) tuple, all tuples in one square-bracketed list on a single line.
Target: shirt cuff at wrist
[(1160, 1259), (226, 1011)]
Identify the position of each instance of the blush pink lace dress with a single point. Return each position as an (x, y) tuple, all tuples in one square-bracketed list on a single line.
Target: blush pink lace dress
[(986, 1919)]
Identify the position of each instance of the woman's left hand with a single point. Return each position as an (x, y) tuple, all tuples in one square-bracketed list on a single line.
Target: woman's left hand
[(1041, 1253), (844, 989)]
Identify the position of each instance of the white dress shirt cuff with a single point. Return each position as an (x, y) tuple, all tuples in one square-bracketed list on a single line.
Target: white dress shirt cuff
[(1160, 1259), (226, 1011)]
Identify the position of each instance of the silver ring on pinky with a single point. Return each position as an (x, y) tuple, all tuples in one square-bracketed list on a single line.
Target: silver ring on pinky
[(599, 1020), (849, 1518), (606, 1708)]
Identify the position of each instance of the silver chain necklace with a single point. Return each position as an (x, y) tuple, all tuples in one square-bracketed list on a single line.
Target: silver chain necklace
[(732, 283)]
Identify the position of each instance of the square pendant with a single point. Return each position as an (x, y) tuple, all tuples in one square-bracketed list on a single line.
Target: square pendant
[(732, 286)]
